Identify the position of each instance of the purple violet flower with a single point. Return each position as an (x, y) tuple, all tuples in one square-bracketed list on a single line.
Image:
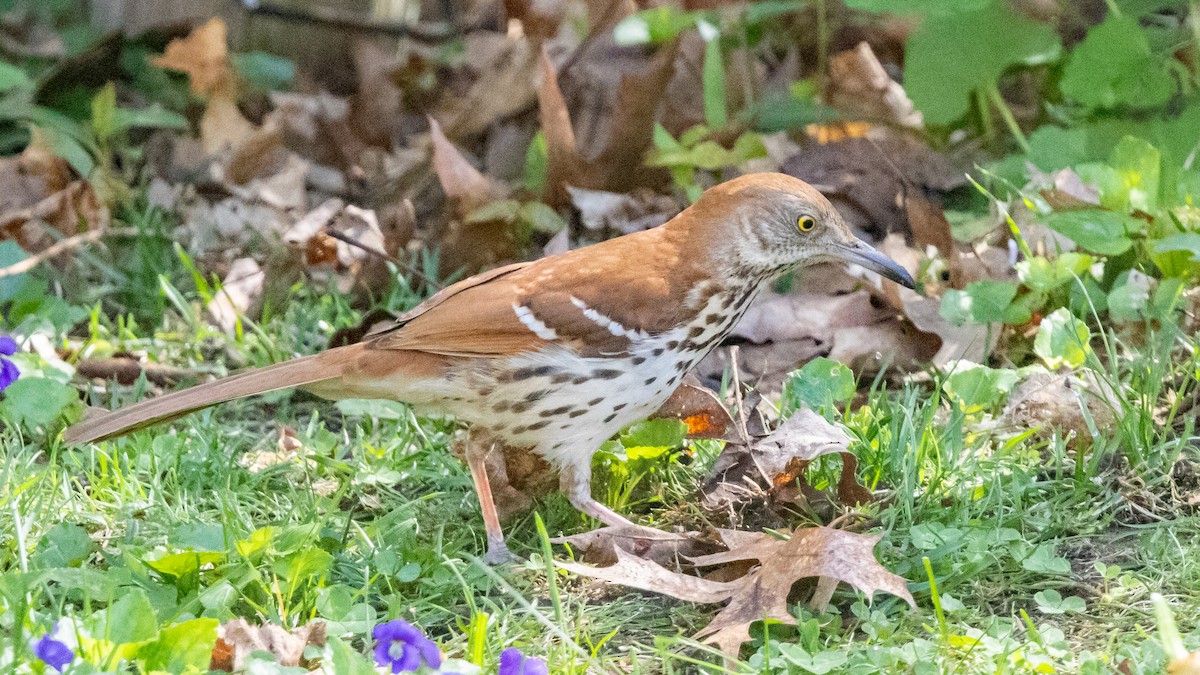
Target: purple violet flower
[(513, 662), (52, 652), (402, 648), (8, 369)]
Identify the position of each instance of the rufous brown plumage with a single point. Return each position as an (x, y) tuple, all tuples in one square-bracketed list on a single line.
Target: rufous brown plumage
[(559, 354)]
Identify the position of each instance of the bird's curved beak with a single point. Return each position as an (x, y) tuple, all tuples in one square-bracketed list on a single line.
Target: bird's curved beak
[(861, 253)]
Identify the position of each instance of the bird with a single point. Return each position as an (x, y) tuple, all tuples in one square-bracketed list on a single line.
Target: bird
[(558, 354)]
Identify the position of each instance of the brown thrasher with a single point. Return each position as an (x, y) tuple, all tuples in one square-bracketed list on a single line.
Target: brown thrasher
[(559, 354)]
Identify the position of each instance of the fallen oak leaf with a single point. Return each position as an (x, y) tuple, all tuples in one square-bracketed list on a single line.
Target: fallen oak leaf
[(813, 552), (645, 575), (701, 410), (618, 135), (203, 55), (780, 459), (762, 593), (238, 639), (460, 180), (859, 85), (240, 289), (599, 546)]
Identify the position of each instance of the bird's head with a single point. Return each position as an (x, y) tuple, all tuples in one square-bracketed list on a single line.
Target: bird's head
[(782, 223)]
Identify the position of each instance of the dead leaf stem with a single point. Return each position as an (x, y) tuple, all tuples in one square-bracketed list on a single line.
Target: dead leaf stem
[(63, 246)]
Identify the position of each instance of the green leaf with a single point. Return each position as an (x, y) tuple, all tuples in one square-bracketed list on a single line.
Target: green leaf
[(536, 163), (951, 55), (1137, 163), (63, 545), (1129, 296), (345, 661), (542, 218), (1052, 148), (1189, 243), (662, 434), (990, 299), (183, 648), (104, 112), (715, 113), (1044, 275), (504, 210), (1062, 340), (36, 401), (653, 26), (1045, 561), (130, 618), (64, 141), (303, 565), (1104, 232), (819, 663), (153, 117), (11, 253), (12, 77), (979, 387), (1113, 66), (265, 71), (1051, 601), (955, 307), (219, 597), (183, 564), (821, 382)]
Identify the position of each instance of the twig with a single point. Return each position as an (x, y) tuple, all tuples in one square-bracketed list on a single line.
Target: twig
[(347, 239), (737, 395), (63, 246)]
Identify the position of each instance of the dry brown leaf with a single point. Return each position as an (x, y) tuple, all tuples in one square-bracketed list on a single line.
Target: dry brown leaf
[(223, 128), (1070, 192), (376, 106), (868, 178), (502, 83), (237, 640), (625, 213), (599, 546), (288, 449), (1055, 403), (892, 345), (776, 318), (599, 142), (859, 85), (700, 409), (645, 575), (203, 55), (69, 211), (813, 552), (240, 289), (781, 459), (969, 342), (763, 592), (460, 180)]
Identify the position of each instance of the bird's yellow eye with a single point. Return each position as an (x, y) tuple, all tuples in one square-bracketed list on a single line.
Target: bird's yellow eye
[(805, 223)]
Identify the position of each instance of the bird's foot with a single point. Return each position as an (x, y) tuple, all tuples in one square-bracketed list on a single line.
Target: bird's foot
[(498, 554)]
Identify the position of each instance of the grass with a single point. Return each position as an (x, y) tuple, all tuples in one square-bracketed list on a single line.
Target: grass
[(1045, 556)]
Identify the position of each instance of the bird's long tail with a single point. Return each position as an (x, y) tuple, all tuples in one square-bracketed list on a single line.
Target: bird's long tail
[(298, 372)]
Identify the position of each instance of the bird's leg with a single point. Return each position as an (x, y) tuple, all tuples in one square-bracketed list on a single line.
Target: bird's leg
[(476, 456), (576, 481)]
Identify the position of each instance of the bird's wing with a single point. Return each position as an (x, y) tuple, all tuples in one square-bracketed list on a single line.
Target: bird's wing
[(594, 299)]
